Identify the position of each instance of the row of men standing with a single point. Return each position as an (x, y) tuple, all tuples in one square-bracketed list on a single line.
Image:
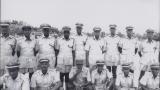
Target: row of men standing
[(64, 51)]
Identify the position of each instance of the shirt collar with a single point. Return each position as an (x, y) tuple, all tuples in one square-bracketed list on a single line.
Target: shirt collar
[(129, 38), (44, 74), (46, 38), (96, 39), (149, 42), (79, 35), (156, 77), (65, 39), (112, 36), (129, 75), (103, 71), (17, 79)]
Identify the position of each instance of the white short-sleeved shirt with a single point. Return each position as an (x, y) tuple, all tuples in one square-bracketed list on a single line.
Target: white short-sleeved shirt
[(79, 45), (149, 51), (80, 78), (65, 51), (20, 83), (99, 79), (6, 44), (112, 44), (95, 48), (26, 48), (46, 46), (112, 53), (149, 81), (147, 47), (123, 81), (44, 81), (128, 46)]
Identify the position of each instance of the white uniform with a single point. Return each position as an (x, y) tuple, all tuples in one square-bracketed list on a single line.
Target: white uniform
[(149, 53), (27, 58), (44, 82), (20, 83), (65, 57), (6, 46), (128, 50), (45, 48), (126, 83), (149, 81), (95, 48), (112, 53), (100, 80), (80, 41)]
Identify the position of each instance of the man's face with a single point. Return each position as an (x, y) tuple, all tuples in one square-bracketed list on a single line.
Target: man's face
[(129, 33), (5, 31), (113, 31), (46, 32), (126, 70), (97, 34), (13, 72), (100, 68), (150, 35), (27, 32), (79, 30), (79, 66), (66, 34), (155, 71), (44, 66)]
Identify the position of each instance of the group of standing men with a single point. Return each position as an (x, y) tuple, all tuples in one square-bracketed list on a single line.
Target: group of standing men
[(83, 63)]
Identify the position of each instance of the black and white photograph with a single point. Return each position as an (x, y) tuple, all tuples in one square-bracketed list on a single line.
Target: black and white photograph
[(79, 44)]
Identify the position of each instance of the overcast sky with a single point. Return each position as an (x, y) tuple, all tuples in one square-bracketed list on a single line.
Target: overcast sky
[(141, 14)]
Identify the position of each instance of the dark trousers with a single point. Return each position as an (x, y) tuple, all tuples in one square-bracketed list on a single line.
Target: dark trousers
[(114, 70), (66, 75)]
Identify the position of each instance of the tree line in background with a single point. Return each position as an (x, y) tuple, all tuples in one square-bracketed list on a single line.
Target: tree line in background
[(15, 28)]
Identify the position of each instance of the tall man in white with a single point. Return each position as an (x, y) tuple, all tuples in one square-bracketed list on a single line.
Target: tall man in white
[(128, 53), (26, 51), (112, 53), (46, 46), (66, 55), (7, 47), (149, 50), (80, 41), (94, 49)]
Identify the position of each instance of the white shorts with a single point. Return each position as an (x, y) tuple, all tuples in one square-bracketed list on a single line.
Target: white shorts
[(80, 55), (148, 59), (27, 62), (111, 60)]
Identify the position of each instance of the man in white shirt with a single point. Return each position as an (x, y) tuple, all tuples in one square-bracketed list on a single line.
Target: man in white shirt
[(151, 80), (94, 49), (26, 52), (66, 54), (14, 80), (80, 41), (45, 78), (7, 47), (128, 54), (125, 81), (149, 50), (101, 78), (112, 53), (46, 46)]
